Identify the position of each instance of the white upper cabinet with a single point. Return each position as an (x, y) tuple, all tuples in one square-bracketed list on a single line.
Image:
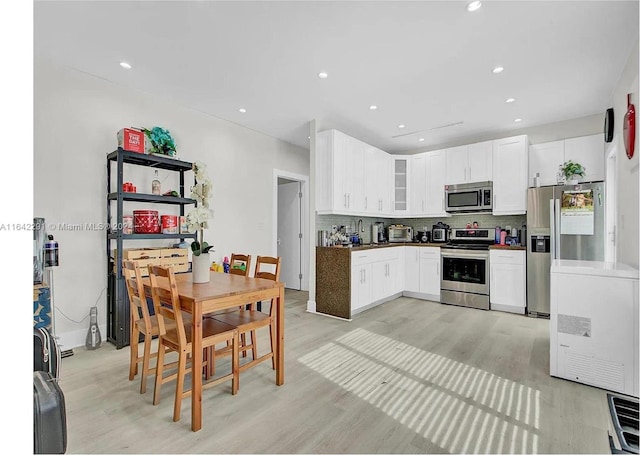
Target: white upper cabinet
[(435, 178), (469, 163), (457, 165), (419, 184), (481, 162), (401, 179), (510, 163), (588, 151), (378, 165), (340, 173), (545, 158)]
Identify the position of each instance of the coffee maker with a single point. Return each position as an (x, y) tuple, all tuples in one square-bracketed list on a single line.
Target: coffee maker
[(377, 233)]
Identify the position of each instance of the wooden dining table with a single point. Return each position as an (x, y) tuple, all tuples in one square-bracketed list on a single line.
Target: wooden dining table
[(224, 291)]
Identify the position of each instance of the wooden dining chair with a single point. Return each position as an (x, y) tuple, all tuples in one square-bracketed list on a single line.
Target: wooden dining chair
[(249, 320), (240, 264), (141, 323), (166, 301)]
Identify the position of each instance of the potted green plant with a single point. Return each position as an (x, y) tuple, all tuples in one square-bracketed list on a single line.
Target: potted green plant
[(572, 171), (159, 141)]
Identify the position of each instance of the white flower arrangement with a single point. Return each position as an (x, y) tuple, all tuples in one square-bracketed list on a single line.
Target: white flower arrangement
[(198, 218)]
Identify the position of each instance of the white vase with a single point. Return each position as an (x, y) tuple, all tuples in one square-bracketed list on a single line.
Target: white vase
[(200, 268)]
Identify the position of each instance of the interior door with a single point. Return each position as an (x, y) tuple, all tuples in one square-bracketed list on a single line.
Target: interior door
[(289, 232)]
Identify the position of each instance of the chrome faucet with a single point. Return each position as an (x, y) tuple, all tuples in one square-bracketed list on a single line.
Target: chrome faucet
[(360, 227)]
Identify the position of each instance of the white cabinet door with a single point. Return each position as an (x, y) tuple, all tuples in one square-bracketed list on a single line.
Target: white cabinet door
[(371, 197), (457, 165), (353, 175), (360, 286), (418, 184), (435, 181), (430, 270), (385, 174), (544, 160), (480, 162), (412, 268), (589, 152), (401, 165), (507, 288), (379, 281), (510, 164)]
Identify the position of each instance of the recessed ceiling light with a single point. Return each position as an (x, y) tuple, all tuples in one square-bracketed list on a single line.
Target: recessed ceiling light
[(323, 75), (309, 137), (509, 100), (125, 65), (497, 70), (373, 107), (400, 126), (518, 120), (474, 6), (421, 139), (242, 109)]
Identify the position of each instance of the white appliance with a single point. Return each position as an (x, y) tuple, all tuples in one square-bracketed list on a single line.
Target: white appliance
[(594, 324)]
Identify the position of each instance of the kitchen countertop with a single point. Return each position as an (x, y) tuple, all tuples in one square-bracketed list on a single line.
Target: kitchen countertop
[(595, 268), (371, 246)]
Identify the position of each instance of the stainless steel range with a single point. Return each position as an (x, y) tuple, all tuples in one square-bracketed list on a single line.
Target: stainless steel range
[(465, 268)]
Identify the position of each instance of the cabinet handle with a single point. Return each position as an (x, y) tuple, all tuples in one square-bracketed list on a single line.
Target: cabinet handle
[(345, 200), (465, 174), (423, 205), (366, 202), (348, 200)]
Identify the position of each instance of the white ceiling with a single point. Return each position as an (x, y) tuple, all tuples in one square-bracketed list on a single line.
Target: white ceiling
[(424, 64)]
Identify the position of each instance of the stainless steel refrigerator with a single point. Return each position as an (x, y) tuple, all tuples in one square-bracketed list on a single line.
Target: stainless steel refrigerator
[(563, 222)]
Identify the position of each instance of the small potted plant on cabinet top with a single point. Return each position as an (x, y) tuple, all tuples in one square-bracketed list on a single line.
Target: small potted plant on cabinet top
[(572, 172)]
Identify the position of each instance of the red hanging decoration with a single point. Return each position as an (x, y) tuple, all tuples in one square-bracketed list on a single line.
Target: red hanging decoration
[(629, 128)]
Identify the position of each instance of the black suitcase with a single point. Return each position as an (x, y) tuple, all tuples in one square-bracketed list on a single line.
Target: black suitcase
[(46, 352), (49, 415)]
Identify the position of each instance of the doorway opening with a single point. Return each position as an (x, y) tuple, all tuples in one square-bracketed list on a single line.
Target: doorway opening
[(291, 230)]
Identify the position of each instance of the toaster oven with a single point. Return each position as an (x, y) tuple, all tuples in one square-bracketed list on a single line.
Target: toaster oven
[(400, 234)]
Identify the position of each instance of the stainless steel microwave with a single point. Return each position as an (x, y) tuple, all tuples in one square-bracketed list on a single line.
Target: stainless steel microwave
[(469, 197), (400, 234)]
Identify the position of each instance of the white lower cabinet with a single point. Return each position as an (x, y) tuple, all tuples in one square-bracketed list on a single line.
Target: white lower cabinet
[(412, 268), (360, 286), (422, 271), (376, 274), (507, 288), (430, 271)]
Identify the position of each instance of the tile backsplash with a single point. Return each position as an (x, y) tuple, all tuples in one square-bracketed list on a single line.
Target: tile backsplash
[(325, 222)]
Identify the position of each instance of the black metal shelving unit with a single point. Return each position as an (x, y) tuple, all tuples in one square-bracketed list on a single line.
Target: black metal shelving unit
[(118, 318)]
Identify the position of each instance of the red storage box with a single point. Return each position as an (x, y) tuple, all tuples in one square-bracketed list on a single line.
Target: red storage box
[(146, 222), (131, 140), (169, 224)]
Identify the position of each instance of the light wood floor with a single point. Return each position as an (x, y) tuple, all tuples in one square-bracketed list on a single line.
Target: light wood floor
[(408, 376)]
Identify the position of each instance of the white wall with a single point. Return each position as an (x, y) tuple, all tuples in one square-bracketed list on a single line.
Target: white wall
[(76, 117), (628, 217)]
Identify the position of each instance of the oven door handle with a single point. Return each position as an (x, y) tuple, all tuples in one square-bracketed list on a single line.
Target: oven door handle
[(464, 254)]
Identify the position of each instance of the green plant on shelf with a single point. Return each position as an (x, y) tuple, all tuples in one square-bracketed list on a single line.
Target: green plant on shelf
[(160, 141)]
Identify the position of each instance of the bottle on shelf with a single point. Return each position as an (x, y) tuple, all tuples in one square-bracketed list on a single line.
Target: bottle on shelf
[(225, 264), (155, 185), (560, 176)]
